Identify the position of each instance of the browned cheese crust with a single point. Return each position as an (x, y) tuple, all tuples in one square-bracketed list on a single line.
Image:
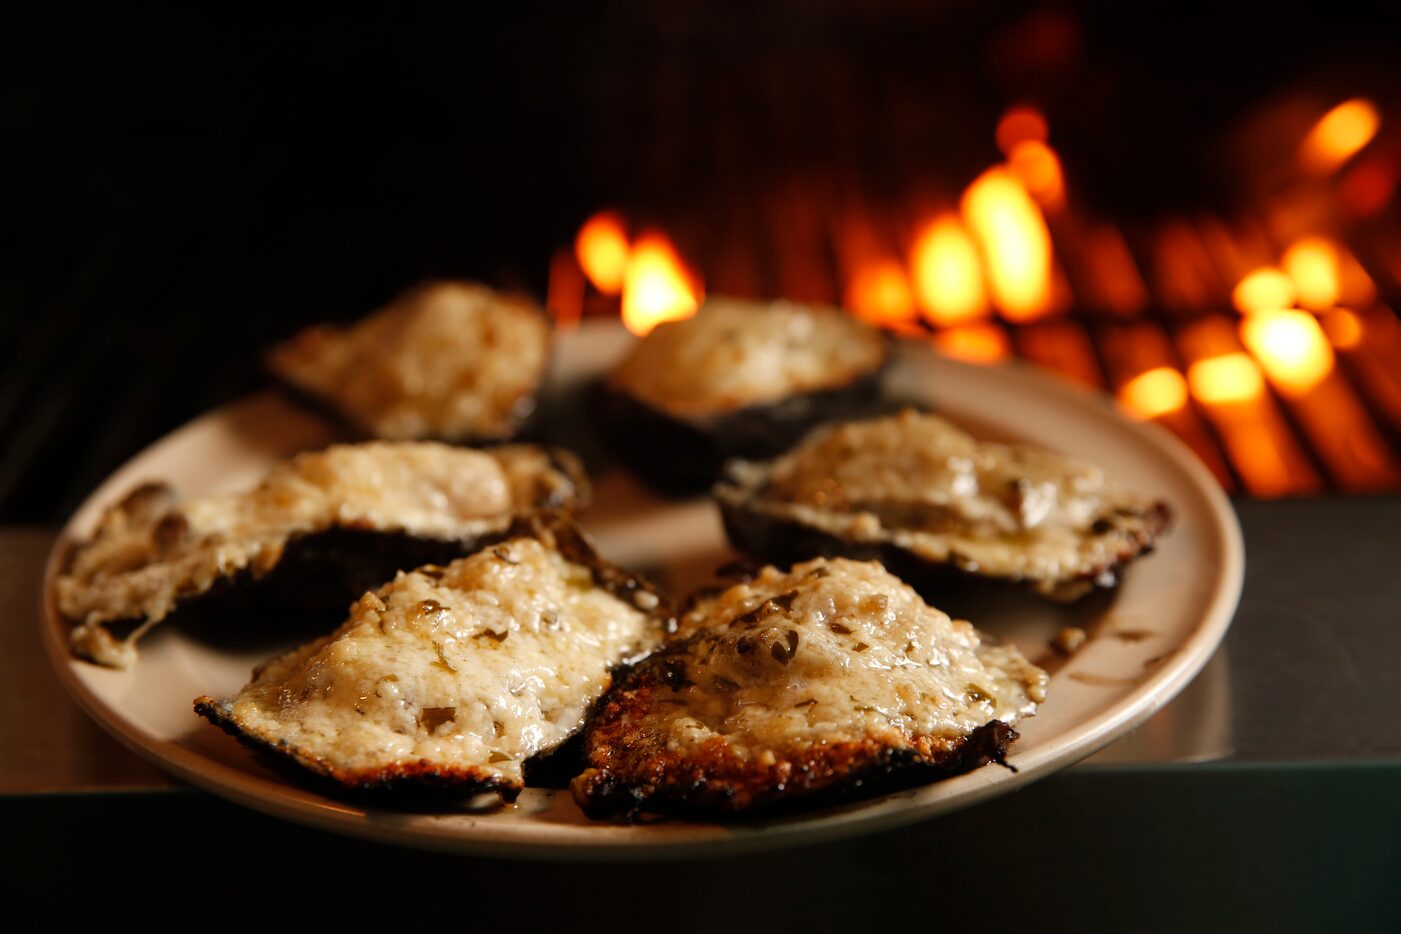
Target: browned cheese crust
[(919, 494), (448, 680), (821, 684), (320, 529), (739, 379), (453, 361)]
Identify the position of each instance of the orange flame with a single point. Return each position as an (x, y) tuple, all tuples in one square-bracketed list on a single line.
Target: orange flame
[(1339, 135), (948, 277), (1020, 124), (656, 286), (1156, 392), (1313, 265), (1343, 328), (1015, 243), (1231, 377), (975, 343), (879, 292), (602, 250), (1038, 168), (1291, 347), (1263, 289)]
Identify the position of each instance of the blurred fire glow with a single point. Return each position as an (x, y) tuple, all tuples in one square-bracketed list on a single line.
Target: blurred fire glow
[(1264, 289), (656, 286), (948, 277), (1015, 243), (975, 343), (1312, 263), (880, 293), (1038, 168), (1339, 135), (602, 250), (1232, 377), (1157, 392), (1020, 124), (1291, 347), (1343, 328)]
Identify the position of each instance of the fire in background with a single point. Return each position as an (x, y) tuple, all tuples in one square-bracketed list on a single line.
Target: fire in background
[(1260, 336)]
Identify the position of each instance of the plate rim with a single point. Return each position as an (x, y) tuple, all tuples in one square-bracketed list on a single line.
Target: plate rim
[(285, 800)]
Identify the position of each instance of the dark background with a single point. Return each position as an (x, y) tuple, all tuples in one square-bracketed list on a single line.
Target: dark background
[(181, 190)]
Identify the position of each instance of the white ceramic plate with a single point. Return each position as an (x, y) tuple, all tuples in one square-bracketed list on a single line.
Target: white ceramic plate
[(1151, 637)]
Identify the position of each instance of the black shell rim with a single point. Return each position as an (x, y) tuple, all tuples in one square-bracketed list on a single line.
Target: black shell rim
[(785, 541), (613, 798), (679, 456)]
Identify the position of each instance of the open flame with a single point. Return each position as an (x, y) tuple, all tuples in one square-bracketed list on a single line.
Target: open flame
[(879, 292), (1343, 328), (1015, 243), (1291, 347), (1021, 123), (656, 285), (1038, 168), (1154, 393), (975, 343), (1339, 135), (1312, 263), (1228, 378), (1264, 289), (948, 276), (602, 250)]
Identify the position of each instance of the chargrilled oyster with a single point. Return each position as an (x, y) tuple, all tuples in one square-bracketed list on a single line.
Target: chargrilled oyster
[(812, 685), (926, 498), (738, 379), (318, 531), (453, 361), (451, 678)]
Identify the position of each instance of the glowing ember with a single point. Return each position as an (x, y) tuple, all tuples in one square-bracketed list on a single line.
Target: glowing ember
[(1037, 167), (1338, 136), (1265, 289), (948, 277), (1343, 328), (1015, 242), (1313, 265), (656, 287), (975, 343), (602, 250), (1157, 392), (1291, 347), (880, 293), (1232, 377), (1020, 124)]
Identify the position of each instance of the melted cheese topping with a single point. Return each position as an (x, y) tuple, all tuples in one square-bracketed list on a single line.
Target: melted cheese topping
[(920, 482), (478, 665), (153, 549), (834, 651), (734, 354), (453, 360)]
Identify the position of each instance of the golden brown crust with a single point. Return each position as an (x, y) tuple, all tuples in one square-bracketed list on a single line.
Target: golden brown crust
[(630, 774), (822, 683), (452, 361), (322, 528), (919, 494), (272, 713)]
